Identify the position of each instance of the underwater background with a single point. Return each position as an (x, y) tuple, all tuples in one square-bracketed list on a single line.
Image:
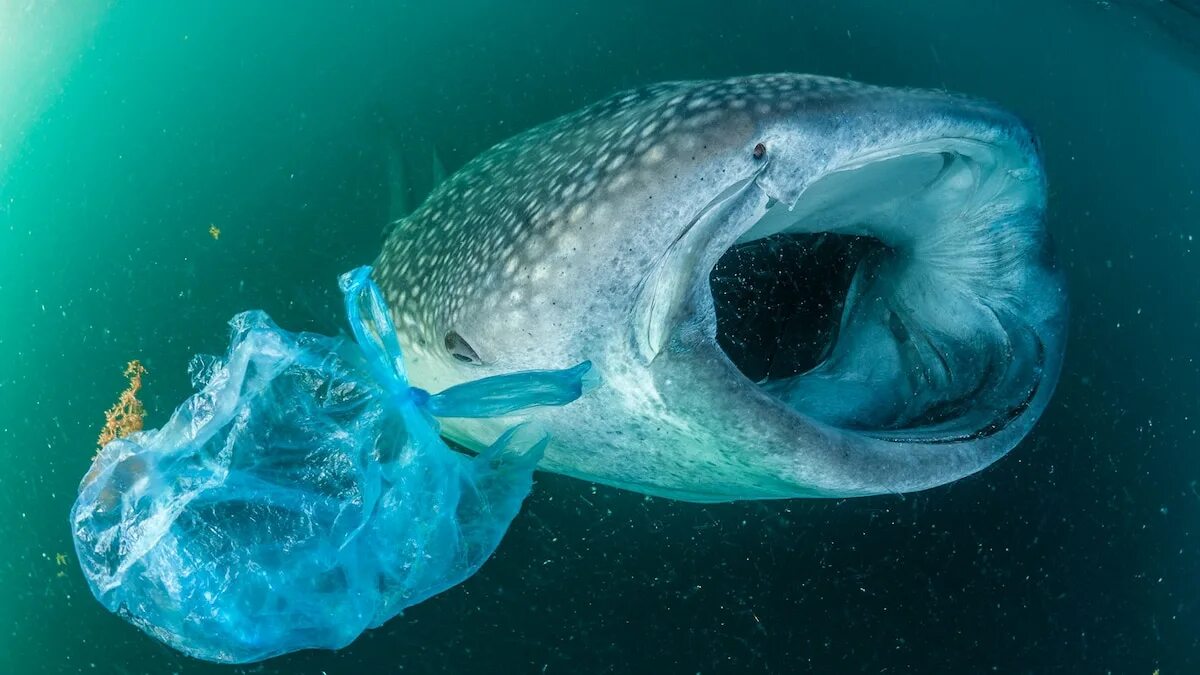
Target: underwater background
[(131, 132)]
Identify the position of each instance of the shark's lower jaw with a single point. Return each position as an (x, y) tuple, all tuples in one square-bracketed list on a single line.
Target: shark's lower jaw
[(906, 299)]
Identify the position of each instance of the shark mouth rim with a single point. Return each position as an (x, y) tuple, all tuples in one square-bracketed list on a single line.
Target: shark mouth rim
[(933, 344)]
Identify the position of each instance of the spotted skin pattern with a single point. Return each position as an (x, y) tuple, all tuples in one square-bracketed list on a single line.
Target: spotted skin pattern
[(518, 214)]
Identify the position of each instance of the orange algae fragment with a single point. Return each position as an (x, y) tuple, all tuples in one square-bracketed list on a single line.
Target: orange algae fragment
[(127, 414)]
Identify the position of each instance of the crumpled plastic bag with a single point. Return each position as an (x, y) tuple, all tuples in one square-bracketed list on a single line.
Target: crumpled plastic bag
[(303, 494)]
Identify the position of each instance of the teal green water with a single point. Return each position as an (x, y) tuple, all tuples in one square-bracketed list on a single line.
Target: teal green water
[(128, 130)]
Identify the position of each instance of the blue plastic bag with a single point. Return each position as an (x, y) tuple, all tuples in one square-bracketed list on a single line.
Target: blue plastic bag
[(303, 494)]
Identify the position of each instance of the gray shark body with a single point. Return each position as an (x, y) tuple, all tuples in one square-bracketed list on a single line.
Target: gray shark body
[(595, 237)]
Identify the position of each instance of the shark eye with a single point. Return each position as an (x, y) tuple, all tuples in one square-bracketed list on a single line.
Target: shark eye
[(460, 350), (760, 151)]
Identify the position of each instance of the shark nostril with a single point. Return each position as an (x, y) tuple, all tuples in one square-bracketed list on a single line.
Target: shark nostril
[(760, 151), (460, 349)]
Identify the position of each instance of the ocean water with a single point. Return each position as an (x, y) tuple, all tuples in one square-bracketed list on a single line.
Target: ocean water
[(128, 130)]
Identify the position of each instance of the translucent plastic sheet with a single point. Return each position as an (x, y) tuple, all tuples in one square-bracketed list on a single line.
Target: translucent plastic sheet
[(303, 494)]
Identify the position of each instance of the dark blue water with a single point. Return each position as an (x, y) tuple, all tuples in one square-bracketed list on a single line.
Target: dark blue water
[(127, 131)]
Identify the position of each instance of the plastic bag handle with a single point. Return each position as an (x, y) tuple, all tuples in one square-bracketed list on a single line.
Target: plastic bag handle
[(373, 329)]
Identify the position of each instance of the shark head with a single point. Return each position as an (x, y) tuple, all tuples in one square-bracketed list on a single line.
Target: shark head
[(788, 286)]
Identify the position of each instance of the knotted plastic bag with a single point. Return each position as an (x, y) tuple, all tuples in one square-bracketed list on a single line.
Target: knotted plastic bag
[(303, 494)]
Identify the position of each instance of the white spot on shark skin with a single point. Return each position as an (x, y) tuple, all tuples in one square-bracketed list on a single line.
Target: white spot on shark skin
[(654, 155), (601, 213), (567, 244), (578, 213), (536, 247), (704, 119), (587, 187)]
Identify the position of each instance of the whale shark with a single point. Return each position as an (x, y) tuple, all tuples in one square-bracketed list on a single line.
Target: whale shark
[(788, 286)]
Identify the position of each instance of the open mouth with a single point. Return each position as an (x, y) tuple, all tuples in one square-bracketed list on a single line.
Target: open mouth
[(899, 296), (779, 300)]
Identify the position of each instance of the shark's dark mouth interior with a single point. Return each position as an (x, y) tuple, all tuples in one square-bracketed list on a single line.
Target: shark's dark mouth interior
[(883, 300), (779, 300)]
